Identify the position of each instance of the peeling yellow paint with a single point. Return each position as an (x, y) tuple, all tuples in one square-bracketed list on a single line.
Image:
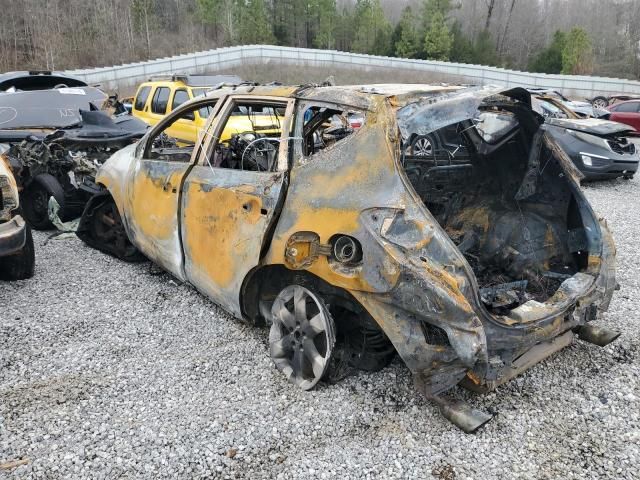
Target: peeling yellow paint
[(220, 229), (154, 205)]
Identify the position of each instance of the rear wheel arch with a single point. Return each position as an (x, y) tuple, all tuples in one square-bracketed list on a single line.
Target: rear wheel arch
[(265, 282), (361, 341)]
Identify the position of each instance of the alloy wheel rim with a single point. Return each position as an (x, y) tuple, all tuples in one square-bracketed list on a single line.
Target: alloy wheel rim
[(302, 336), (423, 147)]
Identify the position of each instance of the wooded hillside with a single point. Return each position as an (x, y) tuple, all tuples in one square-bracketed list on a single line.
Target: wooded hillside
[(570, 36)]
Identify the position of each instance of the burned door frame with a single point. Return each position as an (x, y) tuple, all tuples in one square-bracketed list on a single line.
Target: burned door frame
[(154, 225), (226, 214)]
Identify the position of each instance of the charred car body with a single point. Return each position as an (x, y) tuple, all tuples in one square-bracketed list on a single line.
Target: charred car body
[(472, 269), (58, 138)]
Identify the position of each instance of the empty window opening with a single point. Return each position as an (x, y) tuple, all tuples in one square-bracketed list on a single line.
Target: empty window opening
[(249, 137), (323, 127)]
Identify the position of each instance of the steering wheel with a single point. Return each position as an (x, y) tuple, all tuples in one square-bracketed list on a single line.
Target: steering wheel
[(258, 154)]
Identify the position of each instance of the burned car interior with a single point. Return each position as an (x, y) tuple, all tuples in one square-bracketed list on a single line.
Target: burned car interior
[(521, 235), (250, 137), (167, 144), (324, 127)]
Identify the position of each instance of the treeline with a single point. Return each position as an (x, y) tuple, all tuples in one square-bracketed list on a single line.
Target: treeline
[(570, 36)]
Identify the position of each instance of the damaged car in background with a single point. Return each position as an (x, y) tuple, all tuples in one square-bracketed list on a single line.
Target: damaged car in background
[(582, 109), (472, 265), (601, 149), (58, 137)]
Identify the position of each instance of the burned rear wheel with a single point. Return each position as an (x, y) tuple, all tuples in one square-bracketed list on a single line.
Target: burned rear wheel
[(302, 336)]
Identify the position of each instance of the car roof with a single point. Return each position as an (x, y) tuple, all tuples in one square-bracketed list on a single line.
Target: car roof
[(193, 81), (617, 104), (358, 96), (37, 80)]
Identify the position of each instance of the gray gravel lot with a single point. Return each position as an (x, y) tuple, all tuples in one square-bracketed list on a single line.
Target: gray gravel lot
[(112, 370)]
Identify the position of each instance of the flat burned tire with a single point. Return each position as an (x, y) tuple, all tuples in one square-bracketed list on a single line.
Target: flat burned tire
[(20, 265), (302, 336), (102, 228)]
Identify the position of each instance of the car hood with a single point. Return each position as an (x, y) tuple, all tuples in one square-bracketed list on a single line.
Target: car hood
[(57, 108), (594, 126)]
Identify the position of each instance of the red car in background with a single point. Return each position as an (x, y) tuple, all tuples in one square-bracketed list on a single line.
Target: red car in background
[(626, 112)]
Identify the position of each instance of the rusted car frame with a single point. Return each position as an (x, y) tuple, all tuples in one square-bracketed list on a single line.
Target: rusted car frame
[(472, 270)]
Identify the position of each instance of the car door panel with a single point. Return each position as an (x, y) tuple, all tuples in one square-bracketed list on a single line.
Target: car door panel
[(186, 129), (226, 214), (152, 213), (628, 118), (153, 192)]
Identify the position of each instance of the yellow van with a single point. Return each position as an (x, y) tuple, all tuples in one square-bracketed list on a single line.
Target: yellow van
[(161, 95)]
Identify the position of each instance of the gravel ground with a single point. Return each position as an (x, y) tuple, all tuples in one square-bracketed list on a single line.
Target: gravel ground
[(112, 370)]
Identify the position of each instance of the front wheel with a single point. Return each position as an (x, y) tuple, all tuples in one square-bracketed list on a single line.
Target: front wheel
[(35, 201), (302, 336), (101, 227)]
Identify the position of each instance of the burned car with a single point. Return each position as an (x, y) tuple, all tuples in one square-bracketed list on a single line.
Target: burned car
[(601, 149), (350, 249), (58, 138), (17, 256)]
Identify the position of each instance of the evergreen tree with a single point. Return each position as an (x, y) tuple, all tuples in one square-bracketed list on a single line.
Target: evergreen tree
[(373, 31), (438, 39), (406, 39), (462, 49), (432, 7), (344, 31), (220, 15), (485, 50), (324, 12), (577, 54), (252, 23), (550, 59)]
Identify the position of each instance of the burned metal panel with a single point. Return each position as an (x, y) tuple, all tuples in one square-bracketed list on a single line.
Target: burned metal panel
[(337, 95), (225, 215), (327, 194), (113, 175), (408, 262), (151, 211)]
